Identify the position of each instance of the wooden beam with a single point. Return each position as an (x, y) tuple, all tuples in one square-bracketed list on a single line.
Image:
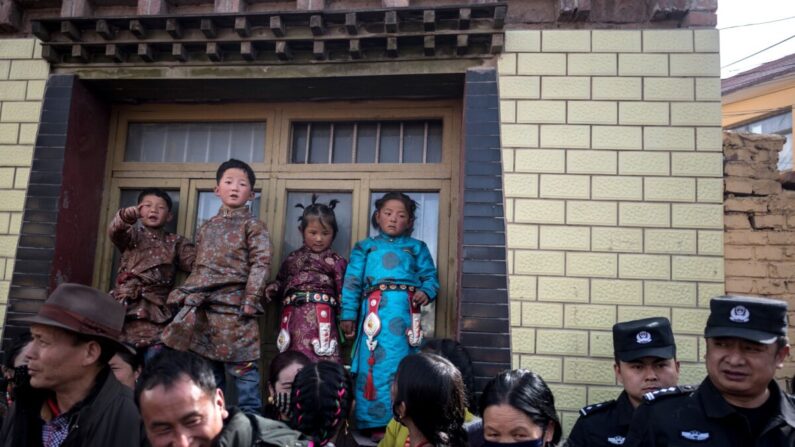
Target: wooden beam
[(145, 52), (152, 7), (283, 51), (79, 53), (429, 19), (179, 52), (208, 28), (10, 16), (461, 44), (499, 16), (355, 48), (316, 25), (229, 6), (310, 5), (464, 18), (105, 29), (394, 3), (573, 10), (50, 54), (276, 26), (76, 8), (39, 30), (391, 22), (137, 29), (70, 30), (429, 45), (319, 50), (213, 52), (173, 28), (242, 27), (392, 46), (497, 43), (248, 51), (114, 52), (351, 23)]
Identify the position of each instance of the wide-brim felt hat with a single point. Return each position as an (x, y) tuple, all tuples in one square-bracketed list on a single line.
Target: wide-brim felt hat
[(83, 310)]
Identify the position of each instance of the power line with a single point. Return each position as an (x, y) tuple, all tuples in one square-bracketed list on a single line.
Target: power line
[(758, 52), (757, 23)]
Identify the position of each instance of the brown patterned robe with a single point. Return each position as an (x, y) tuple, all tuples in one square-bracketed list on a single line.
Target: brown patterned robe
[(307, 271), (232, 262), (149, 262)]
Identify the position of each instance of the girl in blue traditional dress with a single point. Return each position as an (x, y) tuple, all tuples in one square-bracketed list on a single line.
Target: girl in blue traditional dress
[(389, 277)]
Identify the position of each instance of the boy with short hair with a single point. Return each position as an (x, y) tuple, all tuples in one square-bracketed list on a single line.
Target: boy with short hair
[(221, 297), (150, 257)]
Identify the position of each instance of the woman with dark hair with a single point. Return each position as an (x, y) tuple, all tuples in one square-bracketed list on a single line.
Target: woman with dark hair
[(281, 373), (429, 399), (396, 433), (519, 410)]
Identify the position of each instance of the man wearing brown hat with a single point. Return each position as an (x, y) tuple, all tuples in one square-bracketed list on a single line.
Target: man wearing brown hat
[(75, 333), (739, 403)]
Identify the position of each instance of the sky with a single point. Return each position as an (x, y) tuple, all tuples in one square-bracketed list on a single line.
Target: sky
[(737, 43)]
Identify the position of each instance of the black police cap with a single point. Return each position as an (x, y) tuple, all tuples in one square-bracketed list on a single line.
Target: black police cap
[(761, 320), (649, 337)]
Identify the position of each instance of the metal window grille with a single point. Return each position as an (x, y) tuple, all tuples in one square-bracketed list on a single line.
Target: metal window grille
[(364, 142)]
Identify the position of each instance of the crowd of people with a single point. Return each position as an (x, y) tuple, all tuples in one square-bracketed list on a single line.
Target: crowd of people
[(147, 364)]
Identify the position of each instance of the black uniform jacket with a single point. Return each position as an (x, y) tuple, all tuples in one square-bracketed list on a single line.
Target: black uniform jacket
[(677, 417), (604, 424)]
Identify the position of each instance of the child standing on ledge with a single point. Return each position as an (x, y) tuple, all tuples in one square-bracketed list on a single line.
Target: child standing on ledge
[(150, 256), (309, 285), (222, 296), (389, 277)]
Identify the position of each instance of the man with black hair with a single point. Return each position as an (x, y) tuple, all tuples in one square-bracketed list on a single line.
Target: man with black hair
[(181, 405), (75, 333), (739, 404), (645, 361)]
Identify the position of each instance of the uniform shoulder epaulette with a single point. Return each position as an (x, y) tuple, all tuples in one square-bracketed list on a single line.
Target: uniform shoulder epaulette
[(664, 393), (596, 408)]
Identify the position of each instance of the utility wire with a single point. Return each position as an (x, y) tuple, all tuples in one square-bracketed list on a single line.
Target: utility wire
[(758, 52), (757, 23)]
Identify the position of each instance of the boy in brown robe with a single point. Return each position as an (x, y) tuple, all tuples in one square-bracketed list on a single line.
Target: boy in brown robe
[(221, 297), (150, 257)]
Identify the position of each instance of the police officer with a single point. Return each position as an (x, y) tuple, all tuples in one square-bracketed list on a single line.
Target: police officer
[(645, 361), (739, 403)]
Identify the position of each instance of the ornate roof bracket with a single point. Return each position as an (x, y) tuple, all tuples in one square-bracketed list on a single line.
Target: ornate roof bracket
[(443, 32)]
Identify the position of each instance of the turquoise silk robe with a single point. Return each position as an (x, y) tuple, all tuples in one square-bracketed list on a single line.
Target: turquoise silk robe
[(377, 260)]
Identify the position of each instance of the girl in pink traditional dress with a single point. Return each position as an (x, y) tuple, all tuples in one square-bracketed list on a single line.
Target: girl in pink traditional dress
[(309, 285)]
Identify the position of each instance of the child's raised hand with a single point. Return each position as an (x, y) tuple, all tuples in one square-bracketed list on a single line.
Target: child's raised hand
[(348, 328), (421, 298), (130, 214), (248, 310)]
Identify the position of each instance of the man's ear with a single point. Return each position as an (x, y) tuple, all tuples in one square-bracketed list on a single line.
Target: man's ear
[(781, 355), (170, 216), (617, 371), (219, 402), (92, 351), (217, 191)]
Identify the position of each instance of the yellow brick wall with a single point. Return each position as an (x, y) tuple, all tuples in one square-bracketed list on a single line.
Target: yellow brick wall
[(23, 74), (613, 196)]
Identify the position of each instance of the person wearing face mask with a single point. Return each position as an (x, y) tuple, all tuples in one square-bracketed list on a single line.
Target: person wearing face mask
[(519, 411)]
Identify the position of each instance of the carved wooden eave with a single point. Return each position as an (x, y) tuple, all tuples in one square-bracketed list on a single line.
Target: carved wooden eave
[(445, 32)]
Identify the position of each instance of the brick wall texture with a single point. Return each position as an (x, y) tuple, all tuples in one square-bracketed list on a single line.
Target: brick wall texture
[(613, 197), (760, 223), (22, 77)]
